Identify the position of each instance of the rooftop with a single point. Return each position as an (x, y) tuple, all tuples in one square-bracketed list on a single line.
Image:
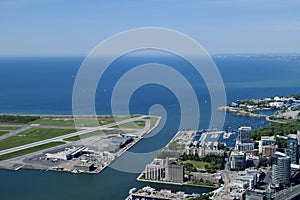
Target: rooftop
[(293, 136), (279, 154)]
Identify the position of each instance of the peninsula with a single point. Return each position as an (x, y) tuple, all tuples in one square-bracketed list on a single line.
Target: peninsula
[(275, 108), (53, 142)]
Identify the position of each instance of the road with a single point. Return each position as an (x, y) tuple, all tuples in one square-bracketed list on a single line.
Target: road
[(287, 194), (226, 176), (15, 132), (78, 133)]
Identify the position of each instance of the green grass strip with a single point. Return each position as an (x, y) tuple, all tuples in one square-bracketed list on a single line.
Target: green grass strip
[(134, 125), (31, 136), (91, 134), (29, 150), (83, 122), (153, 121), (3, 132), (9, 128)]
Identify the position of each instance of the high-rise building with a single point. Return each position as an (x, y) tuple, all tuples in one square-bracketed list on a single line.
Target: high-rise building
[(165, 170), (155, 170), (245, 147), (174, 172), (292, 148), (298, 139), (244, 135), (237, 160), (281, 170)]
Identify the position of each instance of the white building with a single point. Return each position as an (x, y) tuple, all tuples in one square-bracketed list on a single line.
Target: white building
[(276, 104), (237, 160), (66, 154), (202, 151), (265, 141), (155, 170), (249, 179)]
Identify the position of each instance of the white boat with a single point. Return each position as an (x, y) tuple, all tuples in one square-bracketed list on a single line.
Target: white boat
[(75, 171), (132, 190)]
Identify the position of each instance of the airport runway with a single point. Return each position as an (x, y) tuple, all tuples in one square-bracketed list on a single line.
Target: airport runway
[(78, 133)]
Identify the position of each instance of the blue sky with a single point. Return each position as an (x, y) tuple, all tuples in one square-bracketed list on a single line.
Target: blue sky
[(75, 27)]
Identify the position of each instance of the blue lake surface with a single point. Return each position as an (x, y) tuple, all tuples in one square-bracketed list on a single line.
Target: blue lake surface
[(43, 85), (267, 112)]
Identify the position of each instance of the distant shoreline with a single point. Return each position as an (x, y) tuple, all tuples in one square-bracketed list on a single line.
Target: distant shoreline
[(241, 113), (65, 115)]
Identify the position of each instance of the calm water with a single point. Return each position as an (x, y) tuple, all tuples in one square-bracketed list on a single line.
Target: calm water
[(44, 85)]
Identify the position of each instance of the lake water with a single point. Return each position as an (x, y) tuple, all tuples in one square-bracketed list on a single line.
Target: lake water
[(44, 86)]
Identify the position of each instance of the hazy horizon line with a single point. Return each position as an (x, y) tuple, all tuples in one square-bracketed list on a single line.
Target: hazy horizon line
[(150, 54)]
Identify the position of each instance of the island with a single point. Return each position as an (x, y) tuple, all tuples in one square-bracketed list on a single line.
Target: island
[(277, 108), (53, 142)]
